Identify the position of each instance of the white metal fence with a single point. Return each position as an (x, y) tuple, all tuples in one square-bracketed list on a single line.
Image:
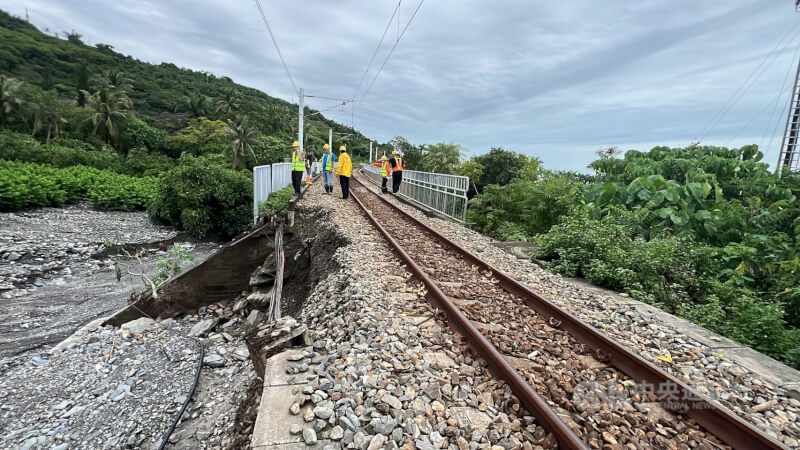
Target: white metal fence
[(268, 179), (281, 176), (446, 194)]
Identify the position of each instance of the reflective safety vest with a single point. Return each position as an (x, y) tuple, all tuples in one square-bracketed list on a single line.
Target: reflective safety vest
[(327, 162), (385, 169), (298, 165), (398, 164)]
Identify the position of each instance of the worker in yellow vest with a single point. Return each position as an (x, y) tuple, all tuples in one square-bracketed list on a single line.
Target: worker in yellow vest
[(386, 172), (298, 167), (397, 170), (327, 169), (344, 170)]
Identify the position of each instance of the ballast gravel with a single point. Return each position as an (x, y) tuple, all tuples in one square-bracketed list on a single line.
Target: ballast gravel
[(762, 403)]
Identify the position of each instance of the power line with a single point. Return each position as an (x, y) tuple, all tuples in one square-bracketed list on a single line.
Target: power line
[(329, 98), (778, 97), (726, 107), (274, 41), (391, 51), (375, 53)]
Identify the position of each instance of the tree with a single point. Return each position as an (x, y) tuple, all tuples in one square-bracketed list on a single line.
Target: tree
[(443, 157), (229, 101), (278, 119), (241, 136), (200, 136), (82, 76), (115, 80), (109, 112), (198, 105), (10, 98), (471, 169), (501, 166)]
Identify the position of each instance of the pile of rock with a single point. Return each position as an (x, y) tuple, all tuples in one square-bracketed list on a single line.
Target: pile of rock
[(118, 388)]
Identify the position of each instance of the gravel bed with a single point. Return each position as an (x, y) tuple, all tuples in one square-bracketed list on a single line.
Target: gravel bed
[(208, 422), (85, 397), (762, 403), (48, 246), (552, 361), (390, 374)]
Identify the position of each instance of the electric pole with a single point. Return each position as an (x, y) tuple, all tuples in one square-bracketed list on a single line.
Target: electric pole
[(300, 121), (789, 156)]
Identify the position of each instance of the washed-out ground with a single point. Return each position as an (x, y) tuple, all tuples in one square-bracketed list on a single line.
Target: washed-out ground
[(57, 275)]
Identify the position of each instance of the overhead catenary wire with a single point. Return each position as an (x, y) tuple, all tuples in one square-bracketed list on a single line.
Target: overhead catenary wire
[(765, 108), (277, 48), (748, 82), (776, 102), (391, 51), (375, 53)]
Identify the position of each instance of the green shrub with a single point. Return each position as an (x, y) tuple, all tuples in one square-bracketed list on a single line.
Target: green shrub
[(27, 184), (278, 203), (141, 162), (58, 153), (202, 195), (676, 274)]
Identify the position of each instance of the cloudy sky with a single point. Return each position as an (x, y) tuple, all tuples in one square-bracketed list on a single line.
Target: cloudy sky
[(553, 79)]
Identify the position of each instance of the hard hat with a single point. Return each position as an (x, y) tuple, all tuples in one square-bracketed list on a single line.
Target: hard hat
[(384, 158), (343, 149), (394, 152), (295, 144), (325, 147)]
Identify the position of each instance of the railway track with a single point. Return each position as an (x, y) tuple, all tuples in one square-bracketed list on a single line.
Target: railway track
[(580, 385)]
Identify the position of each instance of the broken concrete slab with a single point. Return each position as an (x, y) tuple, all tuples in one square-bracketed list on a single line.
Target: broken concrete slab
[(138, 326)]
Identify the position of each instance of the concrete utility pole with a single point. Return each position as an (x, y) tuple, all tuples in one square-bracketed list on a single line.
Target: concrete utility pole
[(370, 152), (300, 119), (330, 139)]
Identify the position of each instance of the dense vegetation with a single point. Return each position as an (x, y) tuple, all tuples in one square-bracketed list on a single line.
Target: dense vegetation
[(27, 184), (64, 104), (705, 232)]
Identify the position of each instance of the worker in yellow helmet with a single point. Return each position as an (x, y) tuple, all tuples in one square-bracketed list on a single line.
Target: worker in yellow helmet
[(298, 167), (327, 168), (386, 172), (344, 170), (397, 170)]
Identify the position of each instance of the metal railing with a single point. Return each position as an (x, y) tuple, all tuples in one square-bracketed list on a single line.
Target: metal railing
[(446, 194), (281, 176), (268, 179)]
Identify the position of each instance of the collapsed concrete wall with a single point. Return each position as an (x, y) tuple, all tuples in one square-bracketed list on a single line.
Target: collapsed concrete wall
[(223, 276)]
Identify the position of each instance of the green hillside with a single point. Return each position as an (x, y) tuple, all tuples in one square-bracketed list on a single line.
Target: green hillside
[(163, 95), (85, 123)]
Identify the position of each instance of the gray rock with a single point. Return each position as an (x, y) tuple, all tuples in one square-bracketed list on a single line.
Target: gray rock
[(13, 256), (376, 442), (347, 423), (295, 429), (138, 326), (214, 360), (203, 327), (320, 425), (253, 317), (309, 436), (392, 401), (323, 413), (360, 440), (337, 433)]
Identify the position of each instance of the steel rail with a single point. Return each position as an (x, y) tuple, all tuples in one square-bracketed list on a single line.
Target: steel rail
[(456, 319), (710, 414)]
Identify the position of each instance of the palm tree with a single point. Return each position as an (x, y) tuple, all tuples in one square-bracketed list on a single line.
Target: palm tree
[(110, 111), (228, 102), (10, 97), (197, 105), (278, 118), (241, 136), (115, 80), (54, 119)]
